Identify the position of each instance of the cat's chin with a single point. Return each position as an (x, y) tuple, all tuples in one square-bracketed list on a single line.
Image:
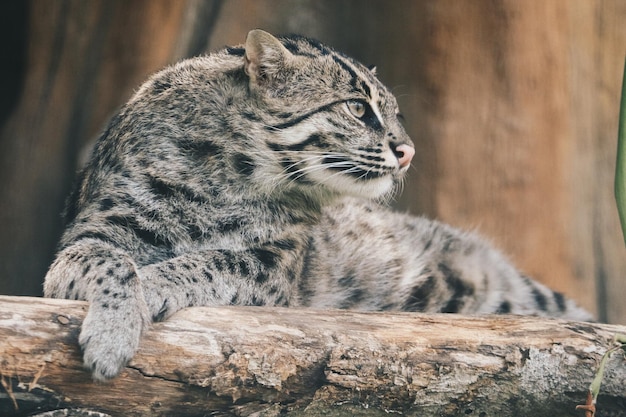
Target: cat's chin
[(374, 189)]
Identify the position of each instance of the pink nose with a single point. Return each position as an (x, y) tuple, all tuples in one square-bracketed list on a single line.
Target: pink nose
[(404, 153)]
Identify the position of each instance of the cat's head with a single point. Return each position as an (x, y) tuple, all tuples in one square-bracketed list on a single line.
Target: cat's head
[(330, 122)]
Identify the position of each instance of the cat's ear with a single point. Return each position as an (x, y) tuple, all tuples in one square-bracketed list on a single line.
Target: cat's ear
[(265, 56), (372, 69)]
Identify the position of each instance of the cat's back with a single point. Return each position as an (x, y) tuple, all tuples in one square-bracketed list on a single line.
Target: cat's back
[(147, 179)]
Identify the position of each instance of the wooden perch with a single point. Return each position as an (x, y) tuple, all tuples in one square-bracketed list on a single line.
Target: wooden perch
[(234, 361)]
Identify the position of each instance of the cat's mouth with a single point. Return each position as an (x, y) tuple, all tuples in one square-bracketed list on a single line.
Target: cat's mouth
[(365, 172), (355, 169), (370, 164), (371, 176)]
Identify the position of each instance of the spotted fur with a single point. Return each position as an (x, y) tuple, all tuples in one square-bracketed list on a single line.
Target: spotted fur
[(255, 176)]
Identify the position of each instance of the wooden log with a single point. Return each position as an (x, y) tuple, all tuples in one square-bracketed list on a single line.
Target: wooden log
[(235, 361)]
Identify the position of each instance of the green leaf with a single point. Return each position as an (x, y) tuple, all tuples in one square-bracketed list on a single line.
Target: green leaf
[(620, 170)]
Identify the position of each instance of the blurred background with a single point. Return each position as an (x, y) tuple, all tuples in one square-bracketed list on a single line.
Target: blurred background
[(512, 107)]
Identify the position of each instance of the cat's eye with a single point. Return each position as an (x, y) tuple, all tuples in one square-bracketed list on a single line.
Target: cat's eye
[(357, 108)]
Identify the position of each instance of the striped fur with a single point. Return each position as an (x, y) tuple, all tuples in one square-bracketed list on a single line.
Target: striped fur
[(255, 176)]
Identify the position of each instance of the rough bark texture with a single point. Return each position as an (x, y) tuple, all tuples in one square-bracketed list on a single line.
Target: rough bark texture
[(241, 361), (512, 105)]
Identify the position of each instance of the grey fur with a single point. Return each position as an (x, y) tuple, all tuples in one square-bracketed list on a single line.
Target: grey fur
[(254, 176)]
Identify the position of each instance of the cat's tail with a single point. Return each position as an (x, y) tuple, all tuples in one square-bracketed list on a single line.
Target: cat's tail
[(548, 302)]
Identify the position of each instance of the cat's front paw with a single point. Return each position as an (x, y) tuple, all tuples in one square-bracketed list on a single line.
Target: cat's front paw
[(109, 339)]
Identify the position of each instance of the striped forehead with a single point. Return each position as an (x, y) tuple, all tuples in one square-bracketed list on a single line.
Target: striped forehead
[(363, 81), (298, 45)]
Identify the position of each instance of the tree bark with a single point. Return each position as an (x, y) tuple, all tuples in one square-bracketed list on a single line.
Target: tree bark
[(512, 106), (233, 361)]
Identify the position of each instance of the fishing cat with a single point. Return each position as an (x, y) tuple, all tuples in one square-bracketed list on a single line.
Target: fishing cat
[(256, 176)]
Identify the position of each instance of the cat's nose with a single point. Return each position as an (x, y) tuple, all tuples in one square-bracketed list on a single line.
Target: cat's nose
[(404, 153)]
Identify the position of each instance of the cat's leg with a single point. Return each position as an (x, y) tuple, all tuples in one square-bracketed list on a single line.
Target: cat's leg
[(124, 299), (262, 276), (106, 277)]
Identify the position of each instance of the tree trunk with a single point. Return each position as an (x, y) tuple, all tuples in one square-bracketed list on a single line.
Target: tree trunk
[(240, 361)]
